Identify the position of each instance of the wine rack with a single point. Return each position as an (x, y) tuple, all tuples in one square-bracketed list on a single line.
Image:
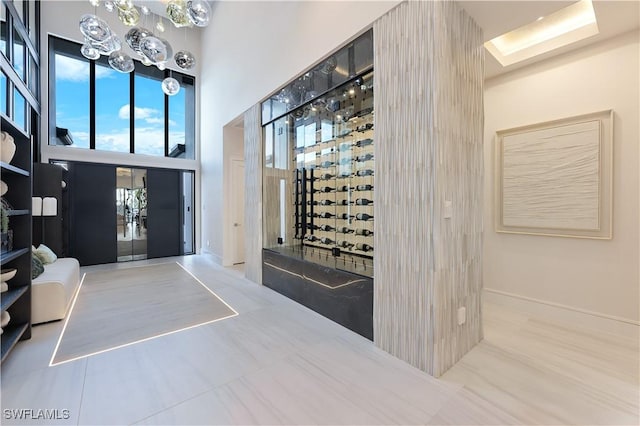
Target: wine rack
[(334, 190)]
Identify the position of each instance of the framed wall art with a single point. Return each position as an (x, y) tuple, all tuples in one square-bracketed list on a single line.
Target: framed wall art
[(555, 178)]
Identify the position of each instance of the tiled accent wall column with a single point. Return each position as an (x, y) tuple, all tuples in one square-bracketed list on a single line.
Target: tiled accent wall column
[(429, 66), (253, 194)]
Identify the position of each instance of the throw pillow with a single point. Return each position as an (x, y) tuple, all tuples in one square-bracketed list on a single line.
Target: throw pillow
[(36, 267), (46, 254), (34, 252)]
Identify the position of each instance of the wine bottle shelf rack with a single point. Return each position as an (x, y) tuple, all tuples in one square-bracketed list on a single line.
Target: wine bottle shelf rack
[(334, 191)]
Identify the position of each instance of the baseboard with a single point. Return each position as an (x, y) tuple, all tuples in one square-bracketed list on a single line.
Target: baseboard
[(562, 313), (214, 257)]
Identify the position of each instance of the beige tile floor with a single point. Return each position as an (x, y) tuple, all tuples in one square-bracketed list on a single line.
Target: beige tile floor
[(280, 363)]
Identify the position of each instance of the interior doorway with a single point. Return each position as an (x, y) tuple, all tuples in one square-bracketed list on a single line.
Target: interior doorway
[(234, 191), (187, 211), (237, 210), (131, 213)]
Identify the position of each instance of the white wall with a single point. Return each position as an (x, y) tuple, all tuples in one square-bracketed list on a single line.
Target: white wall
[(600, 277), (253, 48)]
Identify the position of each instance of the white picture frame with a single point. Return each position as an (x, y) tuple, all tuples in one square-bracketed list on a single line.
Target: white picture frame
[(555, 178)]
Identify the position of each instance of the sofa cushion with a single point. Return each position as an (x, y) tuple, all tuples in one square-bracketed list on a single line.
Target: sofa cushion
[(53, 291)]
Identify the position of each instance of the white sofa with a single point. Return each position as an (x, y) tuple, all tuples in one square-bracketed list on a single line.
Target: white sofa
[(53, 291)]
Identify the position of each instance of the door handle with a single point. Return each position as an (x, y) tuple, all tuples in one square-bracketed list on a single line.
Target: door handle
[(236, 224)]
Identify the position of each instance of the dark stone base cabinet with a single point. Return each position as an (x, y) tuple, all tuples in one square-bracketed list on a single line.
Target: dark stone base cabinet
[(340, 296)]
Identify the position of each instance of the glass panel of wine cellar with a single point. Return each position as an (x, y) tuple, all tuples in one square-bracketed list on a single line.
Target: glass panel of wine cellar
[(319, 176)]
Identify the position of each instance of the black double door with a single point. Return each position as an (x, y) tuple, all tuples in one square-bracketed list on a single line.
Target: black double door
[(97, 209)]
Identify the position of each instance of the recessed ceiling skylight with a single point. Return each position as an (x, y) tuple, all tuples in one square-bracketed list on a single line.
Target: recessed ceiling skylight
[(566, 26)]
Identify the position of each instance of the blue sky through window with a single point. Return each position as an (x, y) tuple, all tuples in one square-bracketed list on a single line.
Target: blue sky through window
[(113, 108)]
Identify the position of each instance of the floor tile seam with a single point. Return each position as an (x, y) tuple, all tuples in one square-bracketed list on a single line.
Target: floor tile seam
[(549, 368), (542, 348), (197, 395), (492, 406), (386, 388), (84, 381), (205, 391), (485, 384)]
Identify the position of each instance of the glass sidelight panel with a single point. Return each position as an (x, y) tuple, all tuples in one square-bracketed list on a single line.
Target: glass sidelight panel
[(131, 211)]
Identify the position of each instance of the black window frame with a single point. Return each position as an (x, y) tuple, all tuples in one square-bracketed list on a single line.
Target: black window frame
[(188, 82)]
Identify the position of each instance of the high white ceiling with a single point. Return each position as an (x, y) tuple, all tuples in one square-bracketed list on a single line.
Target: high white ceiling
[(498, 17)]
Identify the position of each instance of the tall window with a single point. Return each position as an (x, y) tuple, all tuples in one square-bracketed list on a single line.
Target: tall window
[(149, 114), (72, 98), (112, 128), (106, 110)]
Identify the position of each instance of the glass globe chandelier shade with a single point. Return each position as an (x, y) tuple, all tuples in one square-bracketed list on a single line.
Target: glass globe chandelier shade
[(185, 60), (170, 86), (89, 51), (123, 4), (177, 13), (129, 17), (134, 36), (111, 44), (154, 49), (121, 62), (199, 12), (94, 28)]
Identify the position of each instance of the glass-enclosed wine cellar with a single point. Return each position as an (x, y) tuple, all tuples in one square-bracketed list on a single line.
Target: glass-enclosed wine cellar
[(319, 179)]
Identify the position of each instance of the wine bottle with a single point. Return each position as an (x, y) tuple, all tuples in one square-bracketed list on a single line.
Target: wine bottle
[(327, 241), (364, 187), (363, 112), (326, 215), (327, 228), (365, 172), (345, 216), (345, 161), (343, 202), (326, 202), (326, 164), (311, 238), (366, 157), (364, 232), (314, 227), (324, 189), (363, 202), (344, 174), (344, 188), (364, 127), (345, 244), (345, 147), (326, 176), (363, 142), (363, 247), (315, 203), (345, 230), (363, 216)]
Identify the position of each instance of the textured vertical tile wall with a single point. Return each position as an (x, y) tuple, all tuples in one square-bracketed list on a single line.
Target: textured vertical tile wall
[(253, 194), (429, 66)]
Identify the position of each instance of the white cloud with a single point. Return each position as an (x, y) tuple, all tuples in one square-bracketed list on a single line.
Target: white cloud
[(70, 69), (148, 141), (154, 120), (146, 114)]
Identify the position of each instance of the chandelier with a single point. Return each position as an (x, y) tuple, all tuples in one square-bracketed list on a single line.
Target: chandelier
[(152, 50)]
